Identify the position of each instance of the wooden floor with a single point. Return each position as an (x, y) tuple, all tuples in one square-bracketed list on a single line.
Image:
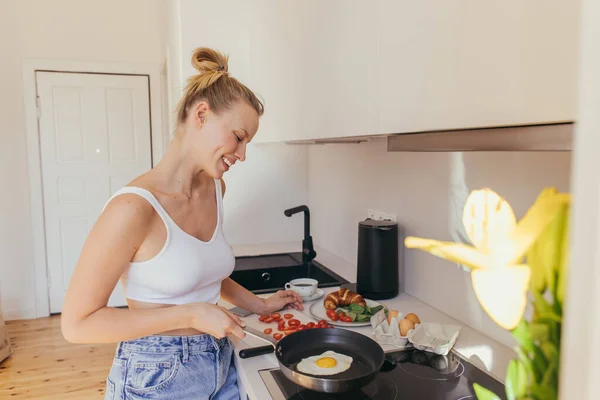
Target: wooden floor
[(45, 366)]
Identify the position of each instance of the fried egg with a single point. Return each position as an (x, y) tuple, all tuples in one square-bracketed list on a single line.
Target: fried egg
[(328, 363)]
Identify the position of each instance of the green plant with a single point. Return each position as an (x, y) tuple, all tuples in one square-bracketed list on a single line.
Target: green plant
[(504, 285)]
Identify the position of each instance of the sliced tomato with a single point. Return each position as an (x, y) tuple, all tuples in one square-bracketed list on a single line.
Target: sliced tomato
[(311, 324), (345, 318), (322, 322), (268, 331), (288, 316), (289, 331), (278, 336), (302, 327), (268, 320), (276, 316), (262, 318), (293, 322)]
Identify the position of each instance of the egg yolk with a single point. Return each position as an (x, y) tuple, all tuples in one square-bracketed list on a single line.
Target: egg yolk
[(326, 362)]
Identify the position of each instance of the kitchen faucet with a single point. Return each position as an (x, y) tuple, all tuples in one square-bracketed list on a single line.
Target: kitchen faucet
[(308, 252)]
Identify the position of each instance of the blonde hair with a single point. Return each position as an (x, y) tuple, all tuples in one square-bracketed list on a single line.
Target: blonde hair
[(214, 85)]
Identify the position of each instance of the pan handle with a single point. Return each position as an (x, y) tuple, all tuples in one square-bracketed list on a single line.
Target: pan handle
[(256, 351)]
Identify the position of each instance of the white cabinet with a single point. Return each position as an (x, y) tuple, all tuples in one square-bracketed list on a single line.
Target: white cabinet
[(342, 68), (339, 66), (470, 63), (314, 63), (275, 67)]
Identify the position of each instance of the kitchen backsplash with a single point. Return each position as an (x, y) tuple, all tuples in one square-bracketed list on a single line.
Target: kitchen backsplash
[(427, 192)]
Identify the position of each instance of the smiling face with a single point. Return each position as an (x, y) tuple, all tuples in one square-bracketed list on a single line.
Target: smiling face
[(220, 140)]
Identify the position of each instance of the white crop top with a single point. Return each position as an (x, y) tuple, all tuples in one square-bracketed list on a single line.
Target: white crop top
[(187, 269)]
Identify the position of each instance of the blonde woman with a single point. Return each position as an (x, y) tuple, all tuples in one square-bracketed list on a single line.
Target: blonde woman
[(161, 235)]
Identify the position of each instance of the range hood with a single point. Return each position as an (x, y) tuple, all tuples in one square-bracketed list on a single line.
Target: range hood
[(539, 137)]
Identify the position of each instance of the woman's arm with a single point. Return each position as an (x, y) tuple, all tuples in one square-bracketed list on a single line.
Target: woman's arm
[(110, 246), (234, 293)]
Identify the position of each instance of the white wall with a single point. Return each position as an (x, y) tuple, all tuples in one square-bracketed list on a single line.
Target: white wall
[(274, 176), (347, 179), (110, 31)]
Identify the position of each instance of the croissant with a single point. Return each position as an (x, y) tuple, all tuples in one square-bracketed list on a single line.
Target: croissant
[(332, 300), (348, 297), (343, 297)]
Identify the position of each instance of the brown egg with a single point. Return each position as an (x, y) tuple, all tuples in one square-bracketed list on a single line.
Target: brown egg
[(391, 314), (405, 325), (413, 317)]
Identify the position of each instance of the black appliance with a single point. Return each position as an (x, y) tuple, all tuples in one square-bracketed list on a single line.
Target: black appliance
[(377, 261), (406, 375)]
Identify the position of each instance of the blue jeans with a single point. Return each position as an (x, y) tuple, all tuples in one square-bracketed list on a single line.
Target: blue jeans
[(173, 367)]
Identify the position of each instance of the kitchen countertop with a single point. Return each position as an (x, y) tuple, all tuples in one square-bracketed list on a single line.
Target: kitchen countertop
[(479, 349)]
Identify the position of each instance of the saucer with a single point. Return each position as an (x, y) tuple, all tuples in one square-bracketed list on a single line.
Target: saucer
[(316, 295)]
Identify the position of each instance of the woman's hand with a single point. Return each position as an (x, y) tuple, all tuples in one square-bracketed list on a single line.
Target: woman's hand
[(215, 320), (282, 299)]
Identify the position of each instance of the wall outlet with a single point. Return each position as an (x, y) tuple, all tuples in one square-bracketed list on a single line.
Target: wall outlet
[(380, 216)]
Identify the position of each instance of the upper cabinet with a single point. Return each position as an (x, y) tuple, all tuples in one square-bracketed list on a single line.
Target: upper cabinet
[(345, 68), (469, 63), (314, 64), (339, 70)]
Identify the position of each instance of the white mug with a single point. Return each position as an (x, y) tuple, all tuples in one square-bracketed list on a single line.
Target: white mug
[(303, 286)]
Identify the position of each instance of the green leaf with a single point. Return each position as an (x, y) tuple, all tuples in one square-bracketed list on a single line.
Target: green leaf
[(357, 308), (543, 392), (362, 317), (511, 380), (540, 332), (540, 303), (516, 380), (374, 310), (483, 393), (550, 316)]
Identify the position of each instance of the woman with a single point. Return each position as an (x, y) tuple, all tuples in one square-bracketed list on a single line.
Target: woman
[(162, 236)]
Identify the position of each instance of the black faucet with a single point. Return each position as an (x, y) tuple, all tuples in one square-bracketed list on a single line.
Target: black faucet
[(308, 252)]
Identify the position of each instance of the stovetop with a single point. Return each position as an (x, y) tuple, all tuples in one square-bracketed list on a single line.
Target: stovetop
[(407, 374)]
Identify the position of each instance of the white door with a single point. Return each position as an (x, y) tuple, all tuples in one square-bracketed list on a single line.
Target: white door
[(94, 138)]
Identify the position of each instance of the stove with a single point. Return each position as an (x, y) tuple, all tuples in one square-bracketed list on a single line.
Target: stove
[(406, 374)]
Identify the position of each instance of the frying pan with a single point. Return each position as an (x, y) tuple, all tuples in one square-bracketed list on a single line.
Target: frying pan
[(367, 355)]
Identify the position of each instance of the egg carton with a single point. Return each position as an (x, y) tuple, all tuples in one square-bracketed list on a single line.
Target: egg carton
[(386, 332), (435, 338)]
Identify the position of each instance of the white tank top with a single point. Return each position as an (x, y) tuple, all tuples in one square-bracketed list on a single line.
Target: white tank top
[(187, 269)]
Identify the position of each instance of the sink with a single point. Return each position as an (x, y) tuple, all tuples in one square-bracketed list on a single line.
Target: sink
[(269, 273)]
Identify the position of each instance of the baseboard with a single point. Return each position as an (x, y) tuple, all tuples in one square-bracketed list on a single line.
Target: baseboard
[(11, 315)]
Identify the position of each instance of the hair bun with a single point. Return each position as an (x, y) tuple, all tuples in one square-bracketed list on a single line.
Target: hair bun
[(208, 60)]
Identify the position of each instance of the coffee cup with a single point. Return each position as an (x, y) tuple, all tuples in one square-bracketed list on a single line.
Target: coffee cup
[(303, 286)]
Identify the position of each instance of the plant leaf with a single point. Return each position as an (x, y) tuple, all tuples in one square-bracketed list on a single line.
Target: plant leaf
[(488, 219), (533, 224), (455, 252), (540, 332), (511, 380), (483, 393)]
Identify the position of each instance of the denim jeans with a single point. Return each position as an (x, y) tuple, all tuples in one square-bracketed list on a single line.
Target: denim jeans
[(173, 367)]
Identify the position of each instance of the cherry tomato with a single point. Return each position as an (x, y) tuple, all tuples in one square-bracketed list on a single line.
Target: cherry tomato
[(281, 328), (290, 331), (302, 327), (332, 315), (345, 318), (278, 336), (276, 316), (268, 320), (268, 331), (321, 322), (288, 316), (262, 318), (277, 319), (293, 322), (342, 314), (311, 324)]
